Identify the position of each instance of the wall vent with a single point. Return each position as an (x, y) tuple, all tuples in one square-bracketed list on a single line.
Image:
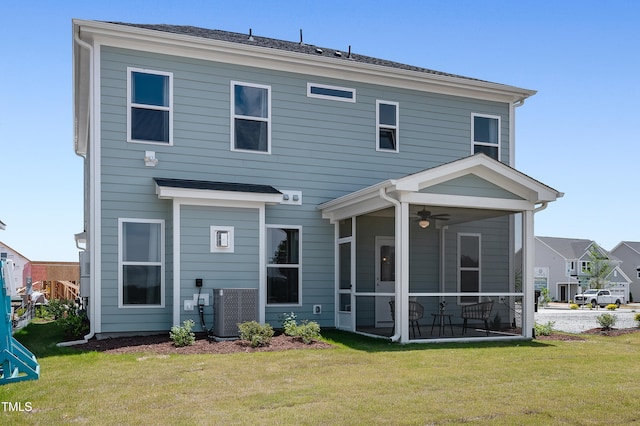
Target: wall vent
[(232, 306)]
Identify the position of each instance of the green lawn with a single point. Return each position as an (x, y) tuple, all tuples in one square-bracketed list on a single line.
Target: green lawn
[(362, 381)]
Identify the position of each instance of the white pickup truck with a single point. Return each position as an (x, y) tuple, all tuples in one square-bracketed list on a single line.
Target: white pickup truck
[(597, 297)]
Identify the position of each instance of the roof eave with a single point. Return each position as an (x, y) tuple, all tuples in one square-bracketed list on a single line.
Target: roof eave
[(227, 51)]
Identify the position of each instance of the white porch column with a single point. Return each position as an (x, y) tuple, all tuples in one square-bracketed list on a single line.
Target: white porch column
[(176, 262), (402, 268), (528, 259)]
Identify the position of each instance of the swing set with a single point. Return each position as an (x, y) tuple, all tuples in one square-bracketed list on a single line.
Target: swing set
[(16, 362)]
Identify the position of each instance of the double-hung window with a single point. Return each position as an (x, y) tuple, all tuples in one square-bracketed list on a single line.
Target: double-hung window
[(469, 266), (250, 117), (485, 130), (283, 265), (387, 115), (585, 266), (141, 262), (150, 108)]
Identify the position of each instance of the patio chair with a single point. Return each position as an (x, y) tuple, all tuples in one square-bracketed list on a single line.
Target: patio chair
[(416, 313)]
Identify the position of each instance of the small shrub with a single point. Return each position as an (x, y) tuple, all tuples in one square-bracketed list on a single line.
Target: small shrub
[(636, 318), (255, 333), (182, 335), (308, 331), (68, 314), (42, 312), (544, 329), (573, 306), (612, 307), (289, 324), (58, 308), (607, 321)]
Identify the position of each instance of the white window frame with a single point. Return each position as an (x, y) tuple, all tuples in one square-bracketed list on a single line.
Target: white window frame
[(131, 105), (122, 263), (467, 268), (474, 143), (248, 117), (379, 126), (585, 266), (280, 265), (330, 97)]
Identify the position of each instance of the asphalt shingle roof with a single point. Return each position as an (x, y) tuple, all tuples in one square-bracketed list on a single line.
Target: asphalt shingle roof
[(216, 186), (290, 46)]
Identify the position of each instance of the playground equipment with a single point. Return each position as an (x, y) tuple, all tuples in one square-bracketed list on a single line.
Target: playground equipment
[(16, 362)]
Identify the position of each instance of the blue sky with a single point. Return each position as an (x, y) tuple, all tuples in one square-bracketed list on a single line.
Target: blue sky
[(579, 134)]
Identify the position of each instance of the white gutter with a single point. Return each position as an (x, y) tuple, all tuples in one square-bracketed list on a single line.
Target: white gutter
[(398, 305)]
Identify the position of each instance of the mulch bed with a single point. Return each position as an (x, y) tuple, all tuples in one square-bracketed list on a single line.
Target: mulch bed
[(612, 332), (161, 344)]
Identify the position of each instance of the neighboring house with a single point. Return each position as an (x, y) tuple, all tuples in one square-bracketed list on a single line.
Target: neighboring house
[(20, 264), (327, 183), (628, 252), (562, 265), (58, 280)]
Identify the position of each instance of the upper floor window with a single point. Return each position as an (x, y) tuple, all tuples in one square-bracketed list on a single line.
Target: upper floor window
[(585, 266), (250, 117), (486, 135), (150, 106), (387, 117), (335, 93)]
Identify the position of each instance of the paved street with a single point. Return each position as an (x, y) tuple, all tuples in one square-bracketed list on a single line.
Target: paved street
[(577, 321)]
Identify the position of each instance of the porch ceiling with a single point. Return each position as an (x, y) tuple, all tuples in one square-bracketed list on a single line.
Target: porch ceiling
[(456, 215)]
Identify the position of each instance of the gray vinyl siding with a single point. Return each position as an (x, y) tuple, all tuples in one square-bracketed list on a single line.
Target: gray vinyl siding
[(471, 185), (322, 147), (217, 270)]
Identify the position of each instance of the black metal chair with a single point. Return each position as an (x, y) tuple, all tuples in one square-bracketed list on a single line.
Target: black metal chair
[(416, 313)]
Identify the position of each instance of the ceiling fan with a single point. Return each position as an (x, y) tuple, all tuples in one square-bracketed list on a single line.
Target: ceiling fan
[(425, 217)]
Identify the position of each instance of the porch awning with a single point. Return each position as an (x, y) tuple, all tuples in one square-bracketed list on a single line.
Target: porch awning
[(477, 182), (221, 191)]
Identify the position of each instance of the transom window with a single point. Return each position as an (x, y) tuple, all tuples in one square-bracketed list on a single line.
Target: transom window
[(469, 266), (283, 265), (486, 135), (335, 93), (141, 262), (150, 109), (250, 117), (387, 117)]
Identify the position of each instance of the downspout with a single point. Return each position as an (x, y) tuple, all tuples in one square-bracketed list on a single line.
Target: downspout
[(398, 305), (82, 43)]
